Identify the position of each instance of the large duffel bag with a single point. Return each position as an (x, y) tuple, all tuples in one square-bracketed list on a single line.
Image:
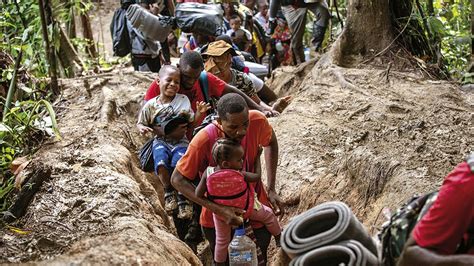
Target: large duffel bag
[(205, 19)]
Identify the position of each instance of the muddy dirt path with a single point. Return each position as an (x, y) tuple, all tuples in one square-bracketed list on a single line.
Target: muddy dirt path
[(97, 206)]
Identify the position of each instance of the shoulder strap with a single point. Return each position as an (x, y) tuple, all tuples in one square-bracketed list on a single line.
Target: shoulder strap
[(211, 131), (204, 84)]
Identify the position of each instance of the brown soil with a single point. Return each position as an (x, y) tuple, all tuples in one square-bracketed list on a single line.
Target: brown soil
[(369, 138), (98, 206), (371, 144)]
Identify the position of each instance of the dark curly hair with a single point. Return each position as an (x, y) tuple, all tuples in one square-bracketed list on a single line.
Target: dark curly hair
[(223, 149)]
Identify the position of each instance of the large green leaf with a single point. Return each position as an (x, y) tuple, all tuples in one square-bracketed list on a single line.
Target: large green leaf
[(437, 26)]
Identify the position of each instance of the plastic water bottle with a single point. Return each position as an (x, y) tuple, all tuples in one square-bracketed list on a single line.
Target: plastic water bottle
[(242, 250), (307, 56)]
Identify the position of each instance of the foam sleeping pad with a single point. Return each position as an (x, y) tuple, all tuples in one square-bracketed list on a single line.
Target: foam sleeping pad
[(351, 253), (325, 224)]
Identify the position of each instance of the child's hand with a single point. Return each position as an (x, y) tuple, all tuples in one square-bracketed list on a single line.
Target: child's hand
[(144, 129), (202, 107)]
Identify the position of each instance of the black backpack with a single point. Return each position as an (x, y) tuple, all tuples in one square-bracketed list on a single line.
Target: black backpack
[(120, 30), (145, 154)]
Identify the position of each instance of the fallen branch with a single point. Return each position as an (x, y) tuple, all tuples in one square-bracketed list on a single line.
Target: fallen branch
[(360, 110)]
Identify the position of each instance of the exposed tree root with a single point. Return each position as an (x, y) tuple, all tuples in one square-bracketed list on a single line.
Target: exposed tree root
[(108, 111), (345, 83)]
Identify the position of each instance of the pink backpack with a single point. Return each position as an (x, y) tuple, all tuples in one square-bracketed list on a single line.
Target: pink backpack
[(228, 187)]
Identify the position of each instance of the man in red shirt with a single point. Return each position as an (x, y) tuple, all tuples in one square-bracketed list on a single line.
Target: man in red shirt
[(191, 65), (252, 130), (445, 235)]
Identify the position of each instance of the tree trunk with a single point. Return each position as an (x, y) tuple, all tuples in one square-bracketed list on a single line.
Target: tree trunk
[(45, 15), (70, 61), (368, 29), (87, 32), (72, 25), (430, 7)]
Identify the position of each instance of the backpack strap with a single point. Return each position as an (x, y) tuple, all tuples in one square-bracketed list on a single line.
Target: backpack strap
[(211, 131), (204, 84)]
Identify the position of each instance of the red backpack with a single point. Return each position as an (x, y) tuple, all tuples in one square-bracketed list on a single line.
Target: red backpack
[(228, 187)]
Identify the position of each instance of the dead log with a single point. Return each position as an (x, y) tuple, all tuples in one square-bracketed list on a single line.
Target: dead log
[(39, 173)]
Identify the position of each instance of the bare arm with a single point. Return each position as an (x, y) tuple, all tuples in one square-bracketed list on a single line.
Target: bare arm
[(231, 215), (416, 255), (171, 7), (201, 109), (271, 162), (142, 126), (267, 95), (201, 188), (251, 177), (251, 103), (257, 176)]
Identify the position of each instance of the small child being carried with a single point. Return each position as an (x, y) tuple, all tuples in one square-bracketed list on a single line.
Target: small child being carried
[(228, 185), (168, 116)]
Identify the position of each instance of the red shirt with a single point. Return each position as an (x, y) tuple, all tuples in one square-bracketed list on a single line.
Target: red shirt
[(215, 89), (196, 159), (450, 220)]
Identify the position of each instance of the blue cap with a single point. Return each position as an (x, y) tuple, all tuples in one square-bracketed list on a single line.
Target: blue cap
[(240, 231)]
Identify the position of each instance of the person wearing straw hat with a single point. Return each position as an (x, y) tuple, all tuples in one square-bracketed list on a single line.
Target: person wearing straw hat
[(218, 61)]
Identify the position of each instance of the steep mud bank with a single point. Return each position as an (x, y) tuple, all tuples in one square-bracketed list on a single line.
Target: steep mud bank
[(370, 138), (97, 206)]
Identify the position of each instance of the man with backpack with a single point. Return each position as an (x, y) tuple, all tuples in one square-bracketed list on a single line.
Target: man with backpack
[(295, 13), (145, 52), (445, 235), (252, 130)]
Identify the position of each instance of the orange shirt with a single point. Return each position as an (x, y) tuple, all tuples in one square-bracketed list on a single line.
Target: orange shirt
[(196, 159)]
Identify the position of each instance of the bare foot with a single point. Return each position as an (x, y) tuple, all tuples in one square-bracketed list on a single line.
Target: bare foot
[(281, 103)]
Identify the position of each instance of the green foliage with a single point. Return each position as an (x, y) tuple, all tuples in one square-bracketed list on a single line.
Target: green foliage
[(451, 22), (22, 129), (11, 36)]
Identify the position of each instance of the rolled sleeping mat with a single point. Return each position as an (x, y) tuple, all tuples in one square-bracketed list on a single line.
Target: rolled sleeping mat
[(351, 253), (153, 27), (325, 224)]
